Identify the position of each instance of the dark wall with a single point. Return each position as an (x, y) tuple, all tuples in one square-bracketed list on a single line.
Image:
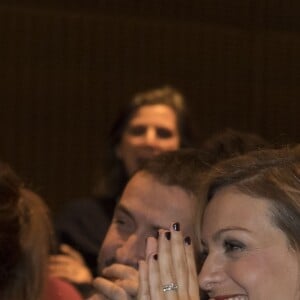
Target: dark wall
[(67, 67)]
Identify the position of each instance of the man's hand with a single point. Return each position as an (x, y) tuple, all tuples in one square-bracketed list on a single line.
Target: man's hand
[(70, 265), (120, 282)]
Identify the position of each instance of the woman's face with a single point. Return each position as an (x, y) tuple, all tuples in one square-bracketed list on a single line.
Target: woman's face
[(151, 131), (247, 256)]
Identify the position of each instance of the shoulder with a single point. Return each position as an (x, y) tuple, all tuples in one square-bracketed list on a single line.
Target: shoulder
[(58, 289)]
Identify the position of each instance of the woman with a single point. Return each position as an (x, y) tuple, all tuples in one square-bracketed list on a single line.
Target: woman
[(159, 113), (250, 235), (25, 240)]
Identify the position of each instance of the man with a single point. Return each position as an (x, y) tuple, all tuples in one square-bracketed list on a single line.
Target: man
[(163, 192), (153, 122)]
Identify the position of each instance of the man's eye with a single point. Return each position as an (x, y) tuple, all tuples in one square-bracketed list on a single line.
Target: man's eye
[(233, 246), (202, 256), (137, 130), (119, 221), (164, 133)]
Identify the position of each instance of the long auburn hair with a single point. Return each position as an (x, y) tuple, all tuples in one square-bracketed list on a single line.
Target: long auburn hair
[(26, 228)]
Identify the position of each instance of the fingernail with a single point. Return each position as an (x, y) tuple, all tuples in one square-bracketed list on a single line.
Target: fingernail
[(168, 235), (176, 226), (187, 240), (155, 256)]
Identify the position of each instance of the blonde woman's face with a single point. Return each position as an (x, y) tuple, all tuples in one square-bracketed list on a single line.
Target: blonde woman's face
[(247, 256)]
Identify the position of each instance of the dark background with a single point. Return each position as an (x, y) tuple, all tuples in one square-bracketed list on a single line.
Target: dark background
[(66, 67)]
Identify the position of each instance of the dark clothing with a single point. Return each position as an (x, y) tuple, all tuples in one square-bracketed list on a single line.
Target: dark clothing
[(83, 225)]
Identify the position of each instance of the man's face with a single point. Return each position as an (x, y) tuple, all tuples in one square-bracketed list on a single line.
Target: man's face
[(146, 205)]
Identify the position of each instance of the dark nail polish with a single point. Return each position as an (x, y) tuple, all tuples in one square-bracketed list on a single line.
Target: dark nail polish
[(155, 256), (187, 240), (176, 226), (168, 235)]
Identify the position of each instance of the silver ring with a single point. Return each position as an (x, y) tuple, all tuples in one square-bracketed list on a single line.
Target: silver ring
[(170, 287)]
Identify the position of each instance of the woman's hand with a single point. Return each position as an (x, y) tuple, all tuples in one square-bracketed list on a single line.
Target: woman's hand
[(70, 265), (169, 265)]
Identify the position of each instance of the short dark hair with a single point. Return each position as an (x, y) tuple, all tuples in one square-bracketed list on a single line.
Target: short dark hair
[(184, 167), (181, 168)]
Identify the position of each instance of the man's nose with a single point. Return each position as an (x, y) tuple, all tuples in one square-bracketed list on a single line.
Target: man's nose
[(212, 273), (131, 251)]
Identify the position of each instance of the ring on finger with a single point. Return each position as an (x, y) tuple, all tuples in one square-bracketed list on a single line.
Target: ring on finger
[(169, 287)]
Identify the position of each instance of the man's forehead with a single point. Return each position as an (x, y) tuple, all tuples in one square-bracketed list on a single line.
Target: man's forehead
[(141, 183), (145, 188), (148, 201), (144, 218)]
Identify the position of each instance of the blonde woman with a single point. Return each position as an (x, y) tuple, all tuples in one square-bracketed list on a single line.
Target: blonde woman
[(249, 235)]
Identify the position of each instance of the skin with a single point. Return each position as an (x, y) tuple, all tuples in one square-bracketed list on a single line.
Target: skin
[(247, 256), (175, 263), (69, 265), (151, 131), (242, 257), (145, 206)]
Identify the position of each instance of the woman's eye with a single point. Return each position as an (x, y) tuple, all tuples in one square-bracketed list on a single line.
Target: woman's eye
[(164, 133), (233, 246), (136, 130)]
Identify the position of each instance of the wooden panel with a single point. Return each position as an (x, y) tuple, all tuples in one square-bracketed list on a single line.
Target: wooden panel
[(68, 66)]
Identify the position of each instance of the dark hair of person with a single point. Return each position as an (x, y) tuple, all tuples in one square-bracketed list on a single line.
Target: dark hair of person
[(273, 175), (229, 143), (180, 168), (183, 167), (113, 176)]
